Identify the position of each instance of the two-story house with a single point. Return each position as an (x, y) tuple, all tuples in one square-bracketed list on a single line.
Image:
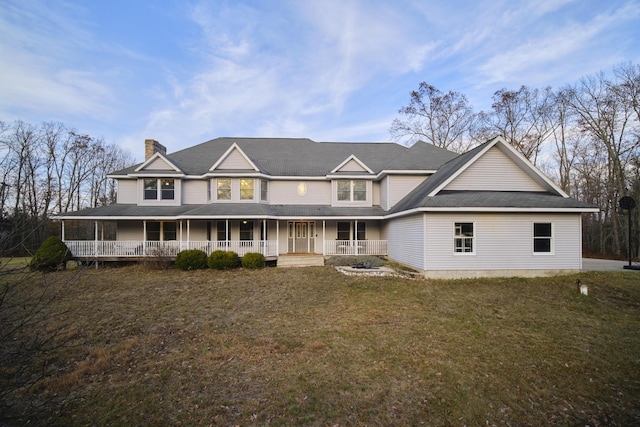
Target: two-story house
[(486, 212)]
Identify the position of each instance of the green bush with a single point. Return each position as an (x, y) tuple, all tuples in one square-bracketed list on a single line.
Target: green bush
[(222, 260), (191, 259), (52, 255), (253, 260)]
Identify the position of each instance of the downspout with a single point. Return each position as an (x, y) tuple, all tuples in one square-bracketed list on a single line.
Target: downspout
[(144, 237), (277, 237), (324, 240), (355, 235)]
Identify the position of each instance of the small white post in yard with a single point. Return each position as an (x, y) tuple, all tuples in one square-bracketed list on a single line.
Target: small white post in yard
[(582, 288)]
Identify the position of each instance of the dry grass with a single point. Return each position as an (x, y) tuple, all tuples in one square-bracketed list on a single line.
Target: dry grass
[(313, 347)]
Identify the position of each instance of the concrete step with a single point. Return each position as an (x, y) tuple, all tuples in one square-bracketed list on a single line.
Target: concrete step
[(300, 260)]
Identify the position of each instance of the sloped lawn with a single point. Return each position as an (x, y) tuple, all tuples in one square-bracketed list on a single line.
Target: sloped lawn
[(314, 347)]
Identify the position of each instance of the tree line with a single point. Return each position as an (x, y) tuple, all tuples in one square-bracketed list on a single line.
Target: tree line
[(49, 168), (585, 136)]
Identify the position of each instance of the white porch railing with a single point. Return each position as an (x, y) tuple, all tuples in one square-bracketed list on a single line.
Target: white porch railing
[(133, 248), (355, 247)]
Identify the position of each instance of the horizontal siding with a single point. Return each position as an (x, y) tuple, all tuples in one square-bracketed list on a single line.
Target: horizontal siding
[(503, 242), (400, 186), (194, 192), (383, 191), (352, 166), (158, 164), (234, 160), (128, 191), (286, 193), (406, 241), (494, 171)]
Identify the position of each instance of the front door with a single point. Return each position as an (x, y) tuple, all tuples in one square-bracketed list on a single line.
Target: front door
[(302, 236)]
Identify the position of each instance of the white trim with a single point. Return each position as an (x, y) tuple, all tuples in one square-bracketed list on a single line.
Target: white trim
[(151, 159), (226, 154), (347, 160)]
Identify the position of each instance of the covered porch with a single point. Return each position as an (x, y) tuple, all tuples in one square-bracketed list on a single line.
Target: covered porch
[(144, 238)]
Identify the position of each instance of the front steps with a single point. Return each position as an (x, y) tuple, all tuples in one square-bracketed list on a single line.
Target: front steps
[(300, 260)]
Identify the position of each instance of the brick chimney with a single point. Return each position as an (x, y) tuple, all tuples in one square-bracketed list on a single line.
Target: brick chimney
[(151, 147)]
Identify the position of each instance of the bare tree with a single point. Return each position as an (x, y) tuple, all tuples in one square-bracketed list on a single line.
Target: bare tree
[(524, 118), (445, 120)]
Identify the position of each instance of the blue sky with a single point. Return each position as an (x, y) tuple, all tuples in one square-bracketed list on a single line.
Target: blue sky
[(183, 72)]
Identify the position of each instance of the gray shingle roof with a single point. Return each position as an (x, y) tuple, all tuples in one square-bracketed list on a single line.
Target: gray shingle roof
[(224, 210), (304, 157)]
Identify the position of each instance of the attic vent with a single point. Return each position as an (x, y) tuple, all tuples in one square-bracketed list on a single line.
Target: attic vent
[(151, 147)]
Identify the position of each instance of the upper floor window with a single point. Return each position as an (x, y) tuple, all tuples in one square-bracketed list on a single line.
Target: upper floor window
[(264, 190), (542, 237), (352, 190), (224, 189), (463, 238), (246, 188), (159, 189)]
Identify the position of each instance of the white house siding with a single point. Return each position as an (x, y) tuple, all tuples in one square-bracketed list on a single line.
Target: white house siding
[(503, 245), (128, 191), (158, 164), (286, 193), (235, 160), (406, 243), (496, 172), (384, 190), (400, 186), (194, 192), (129, 230)]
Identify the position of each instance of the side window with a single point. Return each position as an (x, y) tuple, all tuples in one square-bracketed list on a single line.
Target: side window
[(542, 237), (344, 230), (264, 188), (463, 239)]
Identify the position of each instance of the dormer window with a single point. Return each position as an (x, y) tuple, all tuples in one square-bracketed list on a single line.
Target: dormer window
[(159, 189)]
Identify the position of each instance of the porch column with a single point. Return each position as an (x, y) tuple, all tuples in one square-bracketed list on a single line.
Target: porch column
[(355, 235), (144, 237), (228, 236), (277, 237), (188, 234), (62, 230), (95, 242), (324, 240), (264, 237)]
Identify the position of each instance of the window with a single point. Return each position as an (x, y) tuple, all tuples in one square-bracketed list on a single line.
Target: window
[(463, 237), (157, 231), (352, 191), (167, 190), (224, 189), (345, 230), (246, 230), (163, 189), (246, 188), (151, 189), (264, 190), (542, 237), (221, 231)]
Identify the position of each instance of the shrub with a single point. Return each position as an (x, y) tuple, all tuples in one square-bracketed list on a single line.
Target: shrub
[(222, 260), (191, 259), (253, 260), (52, 255)]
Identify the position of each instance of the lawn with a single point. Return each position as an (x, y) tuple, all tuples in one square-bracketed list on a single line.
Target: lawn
[(310, 346)]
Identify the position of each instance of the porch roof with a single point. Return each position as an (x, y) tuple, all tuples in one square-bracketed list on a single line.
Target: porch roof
[(223, 211)]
